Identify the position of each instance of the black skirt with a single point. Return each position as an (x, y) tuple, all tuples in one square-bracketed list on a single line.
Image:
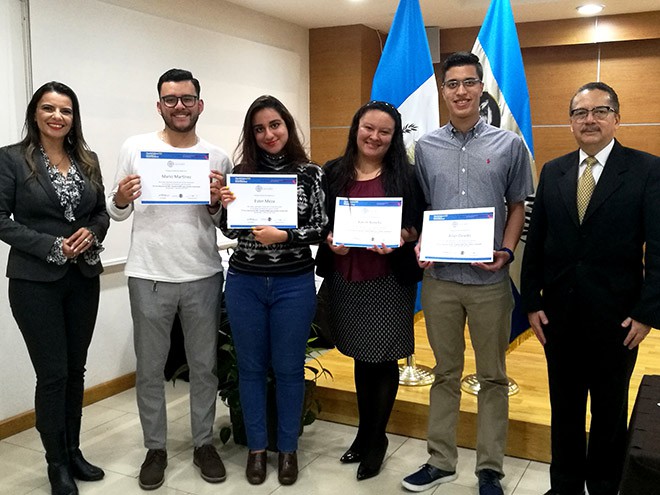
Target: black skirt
[(372, 320)]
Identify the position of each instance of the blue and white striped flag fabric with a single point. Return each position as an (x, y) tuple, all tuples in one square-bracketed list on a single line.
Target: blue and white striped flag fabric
[(504, 74), (505, 104), (405, 76)]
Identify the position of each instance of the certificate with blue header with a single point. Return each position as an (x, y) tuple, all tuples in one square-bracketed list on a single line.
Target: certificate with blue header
[(367, 222), (263, 199), (168, 178), (458, 236)]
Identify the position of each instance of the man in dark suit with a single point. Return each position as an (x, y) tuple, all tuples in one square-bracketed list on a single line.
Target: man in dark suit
[(591, 288)]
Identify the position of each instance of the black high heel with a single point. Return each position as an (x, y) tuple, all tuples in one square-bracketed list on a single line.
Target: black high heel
[(372, 461), (351, 456)]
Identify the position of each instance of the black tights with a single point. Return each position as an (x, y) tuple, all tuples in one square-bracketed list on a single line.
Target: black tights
[(376, 385)]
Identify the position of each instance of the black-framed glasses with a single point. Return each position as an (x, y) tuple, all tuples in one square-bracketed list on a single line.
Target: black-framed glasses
[(599, 113), (467, 83), (170, 101)]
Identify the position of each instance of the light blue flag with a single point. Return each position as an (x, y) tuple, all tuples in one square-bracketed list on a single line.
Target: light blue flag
[(505, 104), (405, 76), (504, 74)]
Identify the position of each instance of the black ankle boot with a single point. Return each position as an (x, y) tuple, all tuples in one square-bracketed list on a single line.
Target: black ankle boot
[(59, 472), (83, 470), (61, 481), (80, 468)]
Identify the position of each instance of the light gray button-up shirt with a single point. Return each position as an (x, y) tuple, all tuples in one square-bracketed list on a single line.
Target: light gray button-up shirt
[(487, 167)]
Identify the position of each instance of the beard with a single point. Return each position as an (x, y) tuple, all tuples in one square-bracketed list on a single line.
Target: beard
[(171, 124)]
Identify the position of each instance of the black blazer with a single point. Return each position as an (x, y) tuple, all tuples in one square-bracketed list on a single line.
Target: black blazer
[(403, 261), (599, 263), (38, 218)]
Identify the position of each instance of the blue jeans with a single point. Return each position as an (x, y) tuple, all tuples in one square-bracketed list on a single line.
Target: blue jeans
[(270, 319)]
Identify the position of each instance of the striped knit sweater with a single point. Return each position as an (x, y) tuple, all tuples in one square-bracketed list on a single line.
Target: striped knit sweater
[(294, 256)]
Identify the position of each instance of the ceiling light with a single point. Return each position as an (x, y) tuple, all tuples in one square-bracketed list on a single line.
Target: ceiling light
[(590, 9)]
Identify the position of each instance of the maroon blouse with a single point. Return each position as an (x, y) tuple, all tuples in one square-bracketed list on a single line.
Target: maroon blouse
[(360, 264)]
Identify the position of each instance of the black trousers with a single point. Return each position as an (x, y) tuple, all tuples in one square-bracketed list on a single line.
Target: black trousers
[(586, 358), (57, 321)]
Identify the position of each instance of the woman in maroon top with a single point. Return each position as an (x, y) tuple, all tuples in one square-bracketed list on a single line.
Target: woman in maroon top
[(372, 290)]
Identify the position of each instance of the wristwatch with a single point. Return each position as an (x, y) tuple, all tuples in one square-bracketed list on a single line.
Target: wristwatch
[(509, 252)]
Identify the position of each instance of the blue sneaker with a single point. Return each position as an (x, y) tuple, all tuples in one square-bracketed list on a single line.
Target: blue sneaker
[(489, 482), (427, 477)]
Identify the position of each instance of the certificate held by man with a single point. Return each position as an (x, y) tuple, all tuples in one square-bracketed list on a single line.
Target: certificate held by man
[(170, 178), (367, 222), (458, 236), (263, 199)]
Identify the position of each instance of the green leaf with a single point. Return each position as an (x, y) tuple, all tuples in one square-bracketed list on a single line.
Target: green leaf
[(225, 434)]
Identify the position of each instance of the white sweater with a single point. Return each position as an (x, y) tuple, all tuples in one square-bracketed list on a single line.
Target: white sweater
[(169, 243)]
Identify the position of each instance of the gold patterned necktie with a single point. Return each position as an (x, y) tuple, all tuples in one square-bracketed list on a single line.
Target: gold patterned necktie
[(585, 187)]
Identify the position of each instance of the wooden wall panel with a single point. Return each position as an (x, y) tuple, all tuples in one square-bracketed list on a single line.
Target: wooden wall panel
[(458, 39), (551, 142), (641, 137), (343, 61), (371, 50), (553, 75), (585, 30), (639, 26), (632, 68), (328, 143), (335, 67)]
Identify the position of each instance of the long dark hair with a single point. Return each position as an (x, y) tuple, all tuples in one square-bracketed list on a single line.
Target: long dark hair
[(396, 171), (247, 152), (74, 143)]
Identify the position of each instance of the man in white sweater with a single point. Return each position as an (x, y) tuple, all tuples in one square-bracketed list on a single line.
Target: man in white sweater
[(173, 267)]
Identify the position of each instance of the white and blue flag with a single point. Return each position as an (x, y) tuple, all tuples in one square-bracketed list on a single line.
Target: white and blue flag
[(505, 104), (506, 99), (405, 76)]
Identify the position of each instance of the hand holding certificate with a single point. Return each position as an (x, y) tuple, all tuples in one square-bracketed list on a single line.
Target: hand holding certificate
[(368, 222), (170, 178), (458, 236), (263, 199)]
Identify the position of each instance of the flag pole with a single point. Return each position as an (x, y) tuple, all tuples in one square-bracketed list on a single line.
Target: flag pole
[(415, 375), (505, 104), (405, 78)]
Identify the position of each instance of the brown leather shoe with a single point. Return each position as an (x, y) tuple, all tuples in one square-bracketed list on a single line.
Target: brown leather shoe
[(152, 472), (287, 471), (255, 471), (211, 468)]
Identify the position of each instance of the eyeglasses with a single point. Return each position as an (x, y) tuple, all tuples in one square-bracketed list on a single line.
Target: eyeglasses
[(599, 113), (453, 84), (170, 101)]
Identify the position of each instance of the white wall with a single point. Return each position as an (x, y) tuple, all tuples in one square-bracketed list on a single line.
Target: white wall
[(119, 49)]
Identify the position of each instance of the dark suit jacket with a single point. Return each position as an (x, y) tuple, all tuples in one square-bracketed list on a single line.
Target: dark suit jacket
[(38, 218), (599, 263)]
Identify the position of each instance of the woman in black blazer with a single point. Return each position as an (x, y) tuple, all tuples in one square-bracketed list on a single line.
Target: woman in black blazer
[(52, 214), (372, 291)]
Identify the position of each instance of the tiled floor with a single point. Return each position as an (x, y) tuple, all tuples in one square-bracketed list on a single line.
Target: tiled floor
[(112, 438)]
